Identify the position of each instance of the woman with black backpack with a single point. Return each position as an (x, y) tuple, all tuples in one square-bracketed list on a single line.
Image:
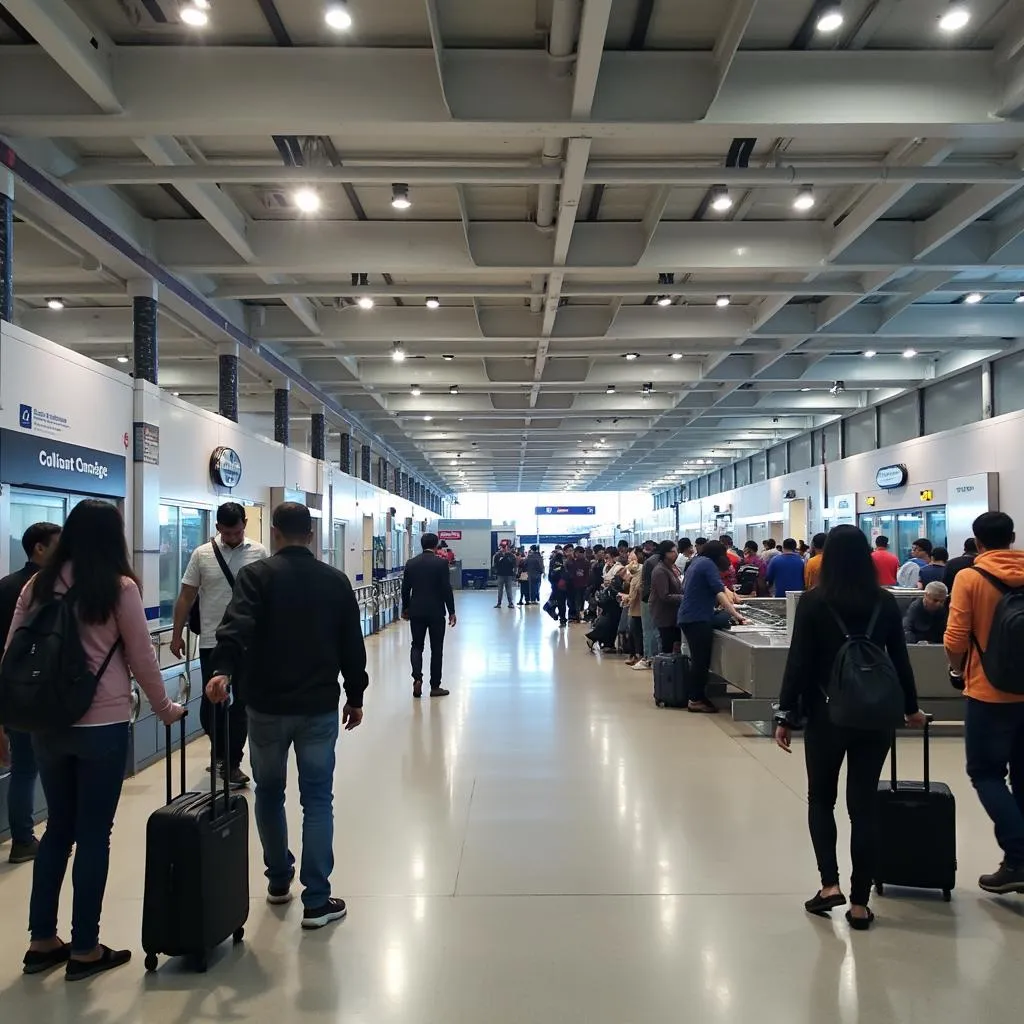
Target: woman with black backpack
[(848, 607)]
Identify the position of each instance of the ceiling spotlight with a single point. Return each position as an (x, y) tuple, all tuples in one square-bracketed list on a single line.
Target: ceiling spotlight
[(54, 303), (870, 354), (830, 19), (838, 387), (122, 359), (365, 302), (648, 388), (610, 390), (433, 302), (307, 200), (956, 17), (721, 201), (398, 352), (630, 356), (722, 301), (337, 16), (176, 394), (1020, 297), (804, 199), (447, 358), (972, 298), (805, 389), (677, 355), (428, 417), (454, 389), (664, 300), (400, 196), (909, 353), (415, 391), (194, 13)]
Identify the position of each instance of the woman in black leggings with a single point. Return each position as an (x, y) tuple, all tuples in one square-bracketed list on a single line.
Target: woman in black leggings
[(847, 601)]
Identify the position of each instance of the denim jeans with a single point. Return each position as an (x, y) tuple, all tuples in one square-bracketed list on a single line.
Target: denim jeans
[(994, 740), (21, 789), (314, 738), (652, 640), (215, 718), (505, 588), (82, 770)]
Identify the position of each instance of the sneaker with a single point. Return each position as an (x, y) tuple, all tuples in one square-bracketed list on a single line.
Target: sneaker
[(439, 691), (317, 917), (79, 970), (22, 853), (237, 779), (702, 707), (630, 661), (280, 894), (641, 666), (1007, 879)]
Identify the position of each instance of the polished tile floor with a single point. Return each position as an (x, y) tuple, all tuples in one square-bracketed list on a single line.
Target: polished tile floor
[(546, 846)]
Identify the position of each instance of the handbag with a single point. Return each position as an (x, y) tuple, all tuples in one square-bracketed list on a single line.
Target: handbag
[(524, 577)]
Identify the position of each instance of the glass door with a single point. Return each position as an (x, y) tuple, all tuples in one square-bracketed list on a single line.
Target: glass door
[(28, 508), (339, 546)]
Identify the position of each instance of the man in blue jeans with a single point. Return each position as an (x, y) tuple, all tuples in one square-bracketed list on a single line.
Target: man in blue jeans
[(293, 625)]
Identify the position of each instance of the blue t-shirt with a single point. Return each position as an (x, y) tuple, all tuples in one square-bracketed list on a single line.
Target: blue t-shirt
[(786, 572), (932, 574), (701, 587)]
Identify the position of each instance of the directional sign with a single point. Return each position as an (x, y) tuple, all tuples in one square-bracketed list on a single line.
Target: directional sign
[(566, 510)]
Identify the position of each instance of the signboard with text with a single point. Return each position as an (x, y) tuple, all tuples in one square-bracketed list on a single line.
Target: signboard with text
[(566, 510), (30, 461), (449, 535)]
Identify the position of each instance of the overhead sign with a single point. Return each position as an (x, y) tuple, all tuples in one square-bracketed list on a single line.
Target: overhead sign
[(30, 461), (226, 468), (147, 444), (891, 476), (449, 535), (566, 510)]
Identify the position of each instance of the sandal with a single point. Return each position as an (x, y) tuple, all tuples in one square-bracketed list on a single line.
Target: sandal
[(819, 904)]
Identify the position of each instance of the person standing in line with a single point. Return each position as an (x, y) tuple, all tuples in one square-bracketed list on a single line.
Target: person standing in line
[(426, 598), (534, 573), (210, 578), (994, 719), (666, 596), (630, 601), (82, 766), (39, 542), (812, 567), (887, 565), (579, 581), (686, 554), (558, 577), (846, 602), (935, 570), (752, 575), (292, 627), (910, 571), (786, 572), (652, 643), (770, 549), (955, 565), (504, 563)]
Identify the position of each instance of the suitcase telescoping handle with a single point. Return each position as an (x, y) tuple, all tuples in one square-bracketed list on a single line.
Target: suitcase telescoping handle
[(168, 756), (927, 759), (221, 710)]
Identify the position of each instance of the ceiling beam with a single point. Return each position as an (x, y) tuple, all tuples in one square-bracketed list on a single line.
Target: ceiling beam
[(728, 42)]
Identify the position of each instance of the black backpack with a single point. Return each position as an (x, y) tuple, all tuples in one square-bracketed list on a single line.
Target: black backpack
[(747, 576), (1003, 657), (864, 691), (45, 680)]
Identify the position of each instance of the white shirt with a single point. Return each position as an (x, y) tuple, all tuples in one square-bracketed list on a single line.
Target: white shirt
[(205, 574)]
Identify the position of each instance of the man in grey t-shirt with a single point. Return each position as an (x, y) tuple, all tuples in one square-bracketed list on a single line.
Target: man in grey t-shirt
[(206, 580)]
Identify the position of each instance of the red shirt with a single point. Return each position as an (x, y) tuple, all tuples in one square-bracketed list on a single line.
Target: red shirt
[(886, 565)]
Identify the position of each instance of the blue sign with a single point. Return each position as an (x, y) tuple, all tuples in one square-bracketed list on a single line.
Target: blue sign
[(25, 417), (27, 460), (566, 510)]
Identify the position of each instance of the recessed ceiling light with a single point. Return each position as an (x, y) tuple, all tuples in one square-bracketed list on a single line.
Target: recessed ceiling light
[(830, 19), (610, 390), (337, 16), (433, 302), (415, 391), (398, 352), (721, 201), (972, 298), (664, 300), (447, 358), (454, 389), (365, 302), (122, 359), (630, 356), (55, 304), (722, 301), (1019, 297), (307, 200), (909, 353), (400, 196), (870, 354), (176, 394), (956, 17), (805, 389), (428, 417), (194, 14), (804, 199), (677, 355)]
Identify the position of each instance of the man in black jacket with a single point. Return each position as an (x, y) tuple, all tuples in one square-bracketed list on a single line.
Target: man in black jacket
[(426, 596), (39, 540), (292, 626), (961, 562)]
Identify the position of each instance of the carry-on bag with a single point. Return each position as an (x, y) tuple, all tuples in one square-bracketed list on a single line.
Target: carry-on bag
[(916, 845), (197, 868), (671, 673)]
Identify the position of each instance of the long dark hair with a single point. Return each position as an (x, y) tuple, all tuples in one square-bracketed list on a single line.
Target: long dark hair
[(93, 544), (848, 577), (715, 550)]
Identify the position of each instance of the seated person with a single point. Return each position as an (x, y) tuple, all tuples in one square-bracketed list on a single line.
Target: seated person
[(925, 621)]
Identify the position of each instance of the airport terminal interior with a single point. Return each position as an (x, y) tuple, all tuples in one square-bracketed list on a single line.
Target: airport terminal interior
[(519, 274)]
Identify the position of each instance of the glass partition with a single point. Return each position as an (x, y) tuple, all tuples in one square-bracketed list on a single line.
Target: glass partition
[(182, 530)]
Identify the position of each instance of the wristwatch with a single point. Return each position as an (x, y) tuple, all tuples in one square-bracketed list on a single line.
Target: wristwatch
[(782, 718)]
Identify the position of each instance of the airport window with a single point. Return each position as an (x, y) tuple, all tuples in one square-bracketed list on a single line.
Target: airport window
[(715, 482), (743, 472), (953, 403), (702, 487), (899, 420), (800, 453), (859, 433), (1008, 384), (182, 530), (777, 463), (832, 434), (758, 468), (729, 477)]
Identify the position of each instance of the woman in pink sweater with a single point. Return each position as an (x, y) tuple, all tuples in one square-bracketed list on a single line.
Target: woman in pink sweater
[(82, 767)]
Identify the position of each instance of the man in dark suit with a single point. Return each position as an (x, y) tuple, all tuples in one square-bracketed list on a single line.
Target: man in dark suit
[(426, 597)]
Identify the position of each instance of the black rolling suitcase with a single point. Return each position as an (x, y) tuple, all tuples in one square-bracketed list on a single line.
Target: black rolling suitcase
[(197, 870), (671, 674), (916, 844)]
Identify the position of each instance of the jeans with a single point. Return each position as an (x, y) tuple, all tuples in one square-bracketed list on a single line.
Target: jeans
[(698, 639), (994, 740), (82, 770), (560, 602), (668, 637), (651, 641), (21, 789), (420, 628), (505, 590), (534, 589), (219, 716), (577, 599), (825, 747), (636, 632), (314, 738)]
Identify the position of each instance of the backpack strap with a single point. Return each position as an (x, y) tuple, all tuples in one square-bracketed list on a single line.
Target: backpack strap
[(839, 620), (228, 575), (873, 621), (1003, 588), (119, 642)]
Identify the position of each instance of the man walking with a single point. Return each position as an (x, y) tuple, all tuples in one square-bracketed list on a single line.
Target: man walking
[(426, 597), (534, 572), (292, 626), (39, 540), (504, 563), (210, 577), (979, 643)]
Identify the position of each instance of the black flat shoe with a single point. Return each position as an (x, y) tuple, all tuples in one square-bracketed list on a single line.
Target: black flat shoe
[(36, 963), (819, 904), (79, 970), (860, 924)]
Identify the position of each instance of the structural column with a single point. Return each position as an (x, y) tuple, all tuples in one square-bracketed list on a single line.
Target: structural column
[(403, 485), (318, 437), (6, 246), (345, 454), (364, 463), (382, 474), (281, 414), (227, 390), (145, 347)]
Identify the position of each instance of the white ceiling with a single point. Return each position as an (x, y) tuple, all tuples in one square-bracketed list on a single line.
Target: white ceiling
[(559, 157)]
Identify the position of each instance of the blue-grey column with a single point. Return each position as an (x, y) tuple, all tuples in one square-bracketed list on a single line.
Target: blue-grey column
[(227, 390), (145, 348), (382, 474), (282, 411), (364, 463), (318, 437), (345, 454), (6, 246), (403, 485)]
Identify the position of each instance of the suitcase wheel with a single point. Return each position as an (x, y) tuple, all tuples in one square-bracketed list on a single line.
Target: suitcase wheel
[(880, 888), (947, 895), (659, 703), (238, 935), (151, 962)]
